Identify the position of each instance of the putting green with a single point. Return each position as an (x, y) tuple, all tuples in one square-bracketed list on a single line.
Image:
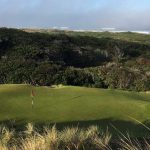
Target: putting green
[(73, 104)]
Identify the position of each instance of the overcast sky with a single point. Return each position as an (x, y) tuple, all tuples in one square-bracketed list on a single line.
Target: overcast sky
[(76, 14)]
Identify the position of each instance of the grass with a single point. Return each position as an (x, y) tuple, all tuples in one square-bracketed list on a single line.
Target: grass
[(75, 106), (126, 36), (53, 139), (74, 138)]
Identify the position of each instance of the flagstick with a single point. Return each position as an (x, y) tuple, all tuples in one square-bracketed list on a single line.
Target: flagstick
[(32, 103), (32, 96)]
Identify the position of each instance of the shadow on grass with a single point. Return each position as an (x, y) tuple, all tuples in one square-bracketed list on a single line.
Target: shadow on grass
[(134, 129)]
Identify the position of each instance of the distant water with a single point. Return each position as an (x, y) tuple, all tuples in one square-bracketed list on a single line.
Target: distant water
[(115, 31)]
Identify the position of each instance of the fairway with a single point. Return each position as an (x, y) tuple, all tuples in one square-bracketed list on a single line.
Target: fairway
[(75, 105)]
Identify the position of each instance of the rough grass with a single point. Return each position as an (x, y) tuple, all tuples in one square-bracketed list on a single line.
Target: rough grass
[(127, 36), (74, 138), (52, 139), (75, 106)]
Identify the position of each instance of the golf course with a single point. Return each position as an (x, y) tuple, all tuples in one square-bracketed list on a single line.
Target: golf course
[(79, 106)]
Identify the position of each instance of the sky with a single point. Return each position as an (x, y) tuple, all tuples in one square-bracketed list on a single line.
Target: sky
[(76, 14)]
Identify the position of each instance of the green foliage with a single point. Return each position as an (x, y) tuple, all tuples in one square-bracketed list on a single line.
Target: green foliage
[(125, 78), (73, 58), (78, 77)]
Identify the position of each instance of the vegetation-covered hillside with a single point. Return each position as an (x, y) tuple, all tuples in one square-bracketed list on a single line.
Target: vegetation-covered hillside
[(106, 60)]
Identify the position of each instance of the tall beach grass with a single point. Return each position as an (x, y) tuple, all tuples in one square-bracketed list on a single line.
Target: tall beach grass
[(73, 138)]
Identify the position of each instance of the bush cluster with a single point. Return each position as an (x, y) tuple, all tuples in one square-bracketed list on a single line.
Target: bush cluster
[(59, 58)]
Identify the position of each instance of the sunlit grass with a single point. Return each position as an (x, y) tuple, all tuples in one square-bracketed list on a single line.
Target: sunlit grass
[(78, 105)]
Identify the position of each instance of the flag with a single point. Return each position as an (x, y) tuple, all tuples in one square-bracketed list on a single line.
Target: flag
[(32, 93)]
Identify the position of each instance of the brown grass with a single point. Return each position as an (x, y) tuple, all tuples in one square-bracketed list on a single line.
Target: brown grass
[(91, 138)]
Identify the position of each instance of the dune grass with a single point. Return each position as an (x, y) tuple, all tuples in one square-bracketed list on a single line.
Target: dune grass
[(73, 138), (75, 106), (52, 139)]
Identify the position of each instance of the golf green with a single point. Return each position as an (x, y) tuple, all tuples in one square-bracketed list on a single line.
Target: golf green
[(68, 105)]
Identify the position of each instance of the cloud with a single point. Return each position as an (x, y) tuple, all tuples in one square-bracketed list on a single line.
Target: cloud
[(76, 14)]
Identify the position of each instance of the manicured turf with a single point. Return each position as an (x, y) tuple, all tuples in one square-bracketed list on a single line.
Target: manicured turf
[(78, 105)]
